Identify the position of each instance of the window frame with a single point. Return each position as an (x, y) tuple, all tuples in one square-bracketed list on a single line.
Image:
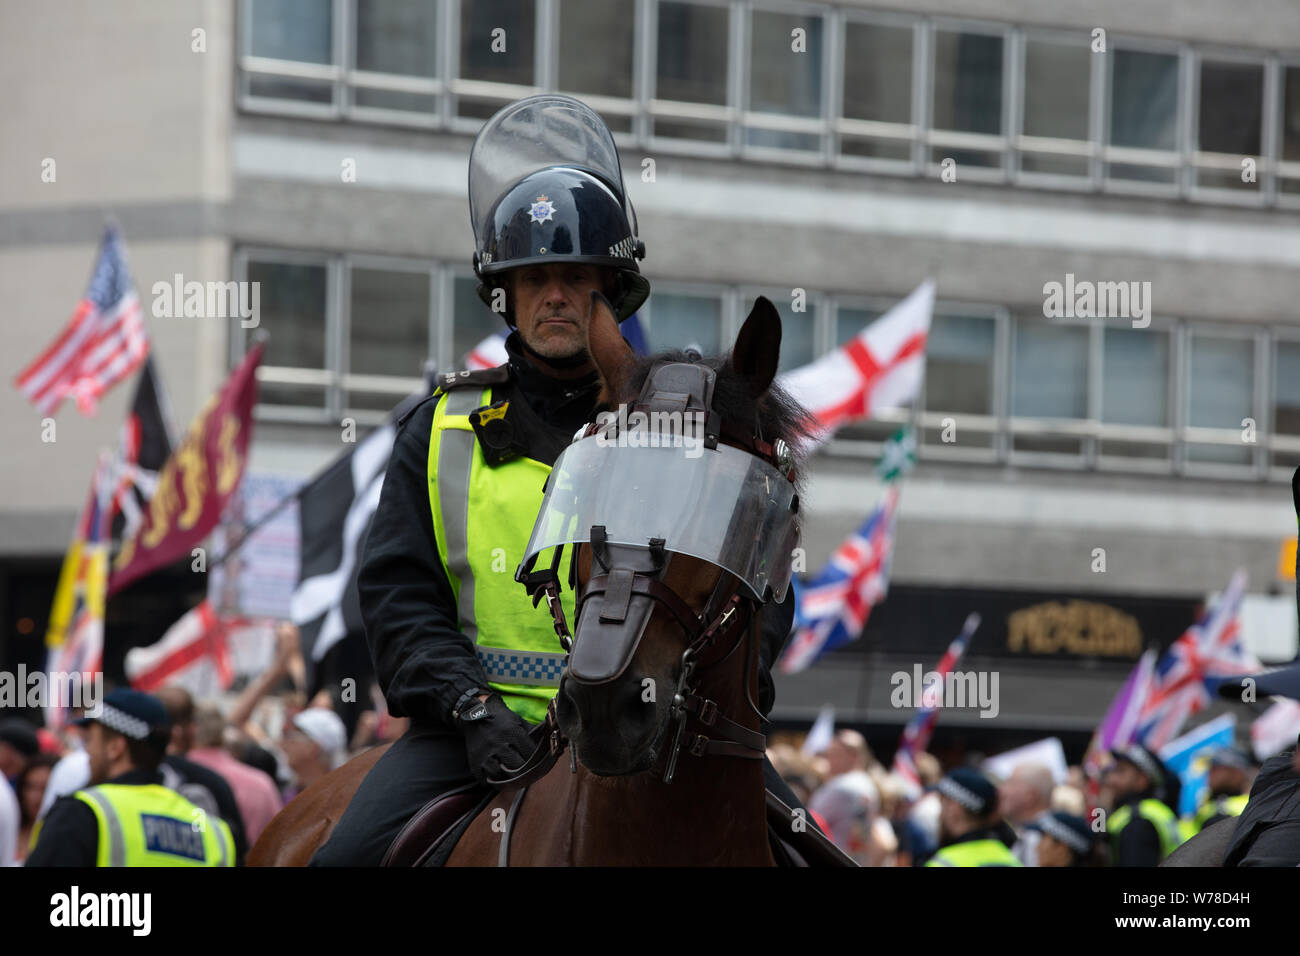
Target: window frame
[(1141, 156), (1022, 143), (1199, 160), (1189, 434), (906, 134), (932, 138)]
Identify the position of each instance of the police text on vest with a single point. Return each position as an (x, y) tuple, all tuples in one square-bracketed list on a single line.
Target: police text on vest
[(102, 909)]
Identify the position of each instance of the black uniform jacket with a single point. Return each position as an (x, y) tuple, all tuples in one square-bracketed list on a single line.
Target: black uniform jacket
[(423, 661), (1139, 842), (1268, 830)]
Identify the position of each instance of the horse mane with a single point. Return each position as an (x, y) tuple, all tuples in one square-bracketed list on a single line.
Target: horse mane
[(778, 415)]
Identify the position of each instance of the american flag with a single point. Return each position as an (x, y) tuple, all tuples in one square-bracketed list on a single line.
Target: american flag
[(833, 606), (1212, 647), (104, 342), (916, 735)]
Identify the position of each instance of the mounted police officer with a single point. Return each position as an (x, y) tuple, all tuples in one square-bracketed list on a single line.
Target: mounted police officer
[(1143, 827), (457, 644), (127, 817)]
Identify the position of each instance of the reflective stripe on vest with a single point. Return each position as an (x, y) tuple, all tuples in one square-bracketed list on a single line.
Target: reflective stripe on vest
[(975, 853), (1155, 813), (150, 825), (482, 517)]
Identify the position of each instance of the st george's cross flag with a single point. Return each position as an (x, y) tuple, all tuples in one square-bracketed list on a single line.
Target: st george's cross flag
[(193, 654), (103, 343), (1212, 647), (881, 367)]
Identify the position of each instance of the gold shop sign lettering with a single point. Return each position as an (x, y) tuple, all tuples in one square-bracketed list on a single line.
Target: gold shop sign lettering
[(1074, 627)]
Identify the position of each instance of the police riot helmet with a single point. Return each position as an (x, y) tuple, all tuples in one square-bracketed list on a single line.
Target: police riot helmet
[(546, 186)]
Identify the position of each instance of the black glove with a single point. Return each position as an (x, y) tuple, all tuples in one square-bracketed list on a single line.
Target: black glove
[(498, 740)]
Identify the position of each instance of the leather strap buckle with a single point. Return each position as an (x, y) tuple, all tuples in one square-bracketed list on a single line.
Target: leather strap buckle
[(708, 713), (699, 745)]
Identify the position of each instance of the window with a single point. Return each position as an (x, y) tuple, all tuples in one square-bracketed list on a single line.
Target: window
[(967, 96), (1135, 388), (684, 321), (397, 37), (1289, 131), (1049, 380), (877, 90), (292, 297), (959, 362), (850, 321), (1221, 383), (691, 71), (301, 31), (1055, 138), (1230, 123), (1143, 116), (1286, 399), (389, 330), (595, 54), (785, 79), (496, 46), (471, 321)]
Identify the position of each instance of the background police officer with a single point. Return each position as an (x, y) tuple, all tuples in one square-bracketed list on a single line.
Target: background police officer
[(969, 831), (127, 817), (1143, 827), (457, 644)]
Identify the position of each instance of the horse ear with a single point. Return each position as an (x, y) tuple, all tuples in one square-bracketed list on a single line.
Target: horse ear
[(612, 356), (758, 346)]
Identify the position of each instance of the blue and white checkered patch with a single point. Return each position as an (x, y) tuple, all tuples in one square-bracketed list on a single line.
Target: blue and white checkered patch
[(516, 667)]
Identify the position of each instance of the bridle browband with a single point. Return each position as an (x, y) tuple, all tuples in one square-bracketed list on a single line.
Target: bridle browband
[(681, 387)]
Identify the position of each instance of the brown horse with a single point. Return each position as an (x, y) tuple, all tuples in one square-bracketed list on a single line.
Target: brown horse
[(656, 637)]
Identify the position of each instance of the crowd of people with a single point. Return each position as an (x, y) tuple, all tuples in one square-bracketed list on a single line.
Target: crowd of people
[(967, 817), (238, 760)]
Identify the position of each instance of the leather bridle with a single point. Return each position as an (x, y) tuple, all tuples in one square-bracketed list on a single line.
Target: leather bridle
[(698, 728)]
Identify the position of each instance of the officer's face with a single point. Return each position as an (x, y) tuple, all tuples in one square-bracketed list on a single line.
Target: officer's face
[(1052, 852), (104, 750), (552, 305)]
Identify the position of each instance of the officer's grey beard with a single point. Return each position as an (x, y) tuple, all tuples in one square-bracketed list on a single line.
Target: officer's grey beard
[(568, 361)]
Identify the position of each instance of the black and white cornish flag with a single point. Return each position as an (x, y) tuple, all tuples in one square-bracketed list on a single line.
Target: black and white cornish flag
[(334, 512)]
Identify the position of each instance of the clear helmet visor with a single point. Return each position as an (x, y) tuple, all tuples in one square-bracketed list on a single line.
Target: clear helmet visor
[(533, 134), (724, 506)]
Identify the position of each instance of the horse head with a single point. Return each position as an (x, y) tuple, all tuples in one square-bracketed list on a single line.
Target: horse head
[(681, 503)]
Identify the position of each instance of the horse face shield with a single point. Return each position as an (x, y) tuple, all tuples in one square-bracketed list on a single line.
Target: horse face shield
[(638, 496)]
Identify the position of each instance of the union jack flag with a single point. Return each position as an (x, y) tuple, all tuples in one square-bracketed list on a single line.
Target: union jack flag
[(833, 606), (916, 735), (103, 343), (1212, 647)]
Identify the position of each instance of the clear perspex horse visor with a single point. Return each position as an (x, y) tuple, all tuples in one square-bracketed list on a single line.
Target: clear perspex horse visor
[(724, 506)]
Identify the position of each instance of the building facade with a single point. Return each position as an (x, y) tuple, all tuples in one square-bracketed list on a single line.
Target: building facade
[(1093, 474)]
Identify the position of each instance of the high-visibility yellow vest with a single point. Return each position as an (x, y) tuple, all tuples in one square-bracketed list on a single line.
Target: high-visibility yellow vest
[(975, 853), (1227, 806), (149, 825), (1159, 815), (482, 518)]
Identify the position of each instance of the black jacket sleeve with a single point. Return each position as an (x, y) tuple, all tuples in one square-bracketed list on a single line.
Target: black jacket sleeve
[(422, 659), (1139, 844), (69, 836)]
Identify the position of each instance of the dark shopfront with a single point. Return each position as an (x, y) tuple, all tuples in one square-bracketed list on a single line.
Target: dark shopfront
[(1043, 664)]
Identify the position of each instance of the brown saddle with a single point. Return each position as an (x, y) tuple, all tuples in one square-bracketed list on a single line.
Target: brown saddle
[(429, 837)]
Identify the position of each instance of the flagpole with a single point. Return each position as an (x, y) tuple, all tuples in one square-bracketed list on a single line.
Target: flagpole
[(330, 470)]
